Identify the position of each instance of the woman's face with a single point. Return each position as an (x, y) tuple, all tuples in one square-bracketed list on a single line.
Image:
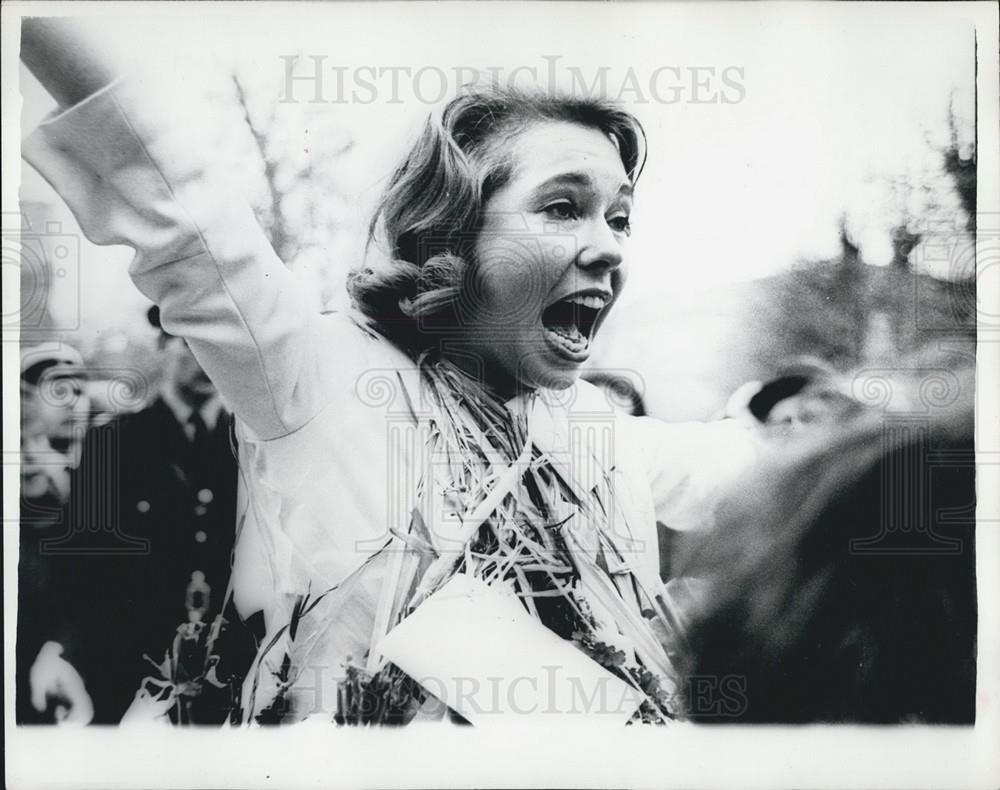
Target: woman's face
[(548, 263)]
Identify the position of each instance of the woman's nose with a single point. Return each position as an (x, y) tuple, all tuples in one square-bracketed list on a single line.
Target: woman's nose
[(599, 246)]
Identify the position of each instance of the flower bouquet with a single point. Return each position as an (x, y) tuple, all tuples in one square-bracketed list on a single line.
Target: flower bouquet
[(186, 687)]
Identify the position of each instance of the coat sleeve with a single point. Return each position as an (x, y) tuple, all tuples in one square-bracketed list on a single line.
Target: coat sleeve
[(126, 161), (692, 465)]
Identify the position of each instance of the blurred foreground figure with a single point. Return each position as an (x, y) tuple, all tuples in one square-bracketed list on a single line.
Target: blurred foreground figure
[(841, 582), (145, 547)]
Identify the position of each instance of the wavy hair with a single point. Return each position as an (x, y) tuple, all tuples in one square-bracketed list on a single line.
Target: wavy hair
[(431, 210)]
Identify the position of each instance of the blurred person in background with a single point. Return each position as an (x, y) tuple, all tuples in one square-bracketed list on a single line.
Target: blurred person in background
[(805, 393), (840, 584), (146, 549), (55, 415)]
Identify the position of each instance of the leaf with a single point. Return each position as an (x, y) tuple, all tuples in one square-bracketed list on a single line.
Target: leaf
[(297, 610), (286, 665)]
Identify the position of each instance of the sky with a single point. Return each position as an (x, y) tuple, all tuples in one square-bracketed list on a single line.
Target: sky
[(818, 110)]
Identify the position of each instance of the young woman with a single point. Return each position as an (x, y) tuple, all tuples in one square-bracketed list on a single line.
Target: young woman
[(441, 430)]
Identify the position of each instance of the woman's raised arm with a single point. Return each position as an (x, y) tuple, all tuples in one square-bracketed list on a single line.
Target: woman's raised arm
[(129, 161), (61, 55)]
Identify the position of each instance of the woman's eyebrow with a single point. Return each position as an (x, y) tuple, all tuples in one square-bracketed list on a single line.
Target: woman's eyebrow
[(564, 179), (577, 179)]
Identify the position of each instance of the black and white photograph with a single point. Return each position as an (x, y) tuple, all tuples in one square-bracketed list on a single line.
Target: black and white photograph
[(481, 394)]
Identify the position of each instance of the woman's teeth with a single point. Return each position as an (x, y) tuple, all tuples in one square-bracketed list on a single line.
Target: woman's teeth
[(593, 302)]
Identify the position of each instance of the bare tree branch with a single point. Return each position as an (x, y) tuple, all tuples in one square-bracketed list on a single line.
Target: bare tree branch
[(284, 243)]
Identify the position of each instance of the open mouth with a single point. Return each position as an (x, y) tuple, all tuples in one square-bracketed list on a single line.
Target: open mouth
[(570, 322)]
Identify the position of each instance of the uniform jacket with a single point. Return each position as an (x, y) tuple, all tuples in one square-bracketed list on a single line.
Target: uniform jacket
[(113, 580)]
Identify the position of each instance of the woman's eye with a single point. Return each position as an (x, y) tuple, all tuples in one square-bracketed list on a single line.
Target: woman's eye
[(561, 211), (620, 225)]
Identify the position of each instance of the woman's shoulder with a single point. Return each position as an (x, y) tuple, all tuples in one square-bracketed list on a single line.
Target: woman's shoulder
[(363, 367), (363, 345)]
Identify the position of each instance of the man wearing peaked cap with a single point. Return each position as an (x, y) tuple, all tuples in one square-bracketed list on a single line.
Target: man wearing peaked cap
[(55, 413)]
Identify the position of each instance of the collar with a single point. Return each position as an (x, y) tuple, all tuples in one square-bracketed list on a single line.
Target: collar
[(209, 410)]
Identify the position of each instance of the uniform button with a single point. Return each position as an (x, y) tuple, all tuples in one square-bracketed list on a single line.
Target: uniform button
[(142, 506), (200, 510), (205, 495), (200, 536)]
